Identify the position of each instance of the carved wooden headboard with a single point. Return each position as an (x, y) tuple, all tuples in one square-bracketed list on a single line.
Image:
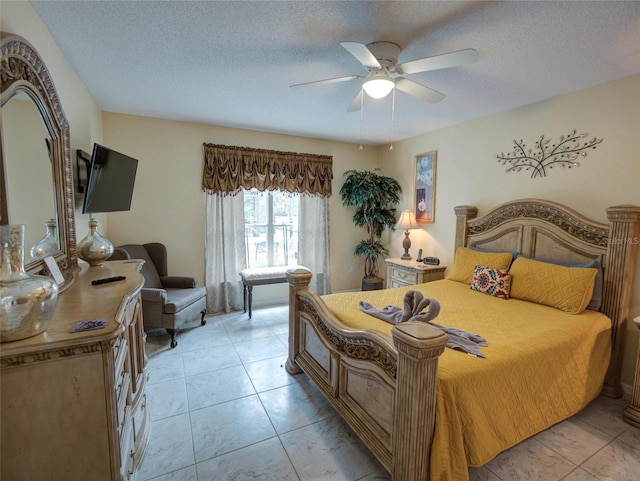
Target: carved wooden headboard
[(548, 230)]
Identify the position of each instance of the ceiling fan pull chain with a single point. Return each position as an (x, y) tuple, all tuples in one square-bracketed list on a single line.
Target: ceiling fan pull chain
[(393, 115), (361, 118)]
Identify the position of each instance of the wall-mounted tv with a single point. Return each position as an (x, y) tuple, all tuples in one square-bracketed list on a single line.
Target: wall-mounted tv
[(111, 179)]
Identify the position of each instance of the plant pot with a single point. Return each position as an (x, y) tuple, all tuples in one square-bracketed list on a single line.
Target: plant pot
[(371, 283)]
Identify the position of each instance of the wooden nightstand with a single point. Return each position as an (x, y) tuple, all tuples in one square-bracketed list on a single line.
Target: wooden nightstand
[(402, 273), (632, 412)]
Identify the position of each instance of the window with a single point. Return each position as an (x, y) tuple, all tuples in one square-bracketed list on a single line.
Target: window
[(271, 228)]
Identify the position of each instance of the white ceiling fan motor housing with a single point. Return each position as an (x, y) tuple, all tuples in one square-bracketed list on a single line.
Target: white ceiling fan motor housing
[(385, 52)]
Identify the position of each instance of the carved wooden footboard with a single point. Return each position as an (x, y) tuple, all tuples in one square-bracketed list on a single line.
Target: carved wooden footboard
[(385, 388), (385, 392)]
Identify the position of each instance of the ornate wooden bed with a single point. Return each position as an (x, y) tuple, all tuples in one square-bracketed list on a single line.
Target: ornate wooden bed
[(385, 386)]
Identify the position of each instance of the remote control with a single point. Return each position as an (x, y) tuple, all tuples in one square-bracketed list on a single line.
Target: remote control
[(107, 280)]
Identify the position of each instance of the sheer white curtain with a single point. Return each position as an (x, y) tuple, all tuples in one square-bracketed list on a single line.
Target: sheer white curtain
[(225, 254), (313, 240)]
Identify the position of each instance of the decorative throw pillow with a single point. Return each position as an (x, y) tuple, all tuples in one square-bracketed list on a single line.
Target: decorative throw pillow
[(566, 288), (495, 282), (467, 259)]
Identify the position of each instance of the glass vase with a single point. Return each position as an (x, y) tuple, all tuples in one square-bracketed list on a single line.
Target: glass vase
[(26, 301), (94, 248), (48, 244)]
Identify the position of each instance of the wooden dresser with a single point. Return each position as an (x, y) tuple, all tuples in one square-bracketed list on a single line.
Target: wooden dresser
[(74, 404), (402, 273)]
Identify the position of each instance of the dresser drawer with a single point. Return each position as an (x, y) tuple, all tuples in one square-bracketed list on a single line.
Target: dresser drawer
[(118, 346), (141, 430), (122, 401), (121, 370), (120, 356), (396, 283), (140, 415), (122, 385), (130, 310), (404, 277), (126, 449)]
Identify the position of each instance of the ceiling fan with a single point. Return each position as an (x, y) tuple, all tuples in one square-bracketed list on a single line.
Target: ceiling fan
[(385, 73)]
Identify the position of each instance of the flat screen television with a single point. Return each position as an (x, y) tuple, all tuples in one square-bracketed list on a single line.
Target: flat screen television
[(111, 179)]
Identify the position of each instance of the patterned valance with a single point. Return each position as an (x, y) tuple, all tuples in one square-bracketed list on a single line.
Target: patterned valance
[(227, 169)]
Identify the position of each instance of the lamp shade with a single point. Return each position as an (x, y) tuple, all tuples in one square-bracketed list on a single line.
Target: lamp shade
[(407, 220), (378, 86)]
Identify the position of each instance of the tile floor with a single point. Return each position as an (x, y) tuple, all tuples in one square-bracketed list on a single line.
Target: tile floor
[(223, 408)]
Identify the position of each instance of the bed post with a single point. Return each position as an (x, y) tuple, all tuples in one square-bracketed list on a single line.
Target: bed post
[(419, 345), (464, 213), (622, 247), (298, 279)]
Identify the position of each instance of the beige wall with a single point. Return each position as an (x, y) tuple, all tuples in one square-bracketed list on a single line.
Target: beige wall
[(468, 172), (168, 204)]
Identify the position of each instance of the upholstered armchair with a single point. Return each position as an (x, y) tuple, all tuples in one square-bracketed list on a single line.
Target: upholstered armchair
[(167, 301)]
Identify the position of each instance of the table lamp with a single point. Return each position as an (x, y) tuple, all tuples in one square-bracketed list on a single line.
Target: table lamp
[(407, 221)]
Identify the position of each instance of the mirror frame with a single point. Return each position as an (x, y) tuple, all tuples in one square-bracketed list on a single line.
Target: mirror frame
[(22, 70)]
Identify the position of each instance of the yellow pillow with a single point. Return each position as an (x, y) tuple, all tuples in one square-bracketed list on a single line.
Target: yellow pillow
[(467, 259), (566, 288)]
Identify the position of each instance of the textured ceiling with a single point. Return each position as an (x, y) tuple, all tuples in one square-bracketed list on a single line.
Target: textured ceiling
[(231, 63)]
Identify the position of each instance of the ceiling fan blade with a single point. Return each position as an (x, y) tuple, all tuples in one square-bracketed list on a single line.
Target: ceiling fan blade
[(327, 81), (437, 62), (362, 54), (357, 102), (419, 91)]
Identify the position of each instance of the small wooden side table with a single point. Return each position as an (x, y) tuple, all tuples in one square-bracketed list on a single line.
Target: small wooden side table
[(632, 412), (402, 273)]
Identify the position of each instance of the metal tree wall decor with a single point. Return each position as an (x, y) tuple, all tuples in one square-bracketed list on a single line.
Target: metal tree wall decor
[(545, 156)]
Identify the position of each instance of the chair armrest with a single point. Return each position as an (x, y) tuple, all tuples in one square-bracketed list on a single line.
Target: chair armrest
[(153, 295), (179, 282)]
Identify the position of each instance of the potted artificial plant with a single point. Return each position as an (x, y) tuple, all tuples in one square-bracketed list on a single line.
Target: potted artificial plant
[(373, 195)]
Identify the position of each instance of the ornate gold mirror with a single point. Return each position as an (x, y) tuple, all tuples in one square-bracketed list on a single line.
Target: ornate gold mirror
[(36, 183)]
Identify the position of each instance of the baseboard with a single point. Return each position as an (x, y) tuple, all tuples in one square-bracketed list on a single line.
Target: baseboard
[(278, 301)]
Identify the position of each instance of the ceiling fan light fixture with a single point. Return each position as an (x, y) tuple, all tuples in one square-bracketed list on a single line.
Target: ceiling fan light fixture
[(378, 87)]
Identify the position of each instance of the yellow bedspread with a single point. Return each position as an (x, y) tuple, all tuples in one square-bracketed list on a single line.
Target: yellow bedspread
[(542, 366)]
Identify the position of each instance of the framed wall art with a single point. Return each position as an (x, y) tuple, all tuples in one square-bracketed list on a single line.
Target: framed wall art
[(425, 187)]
